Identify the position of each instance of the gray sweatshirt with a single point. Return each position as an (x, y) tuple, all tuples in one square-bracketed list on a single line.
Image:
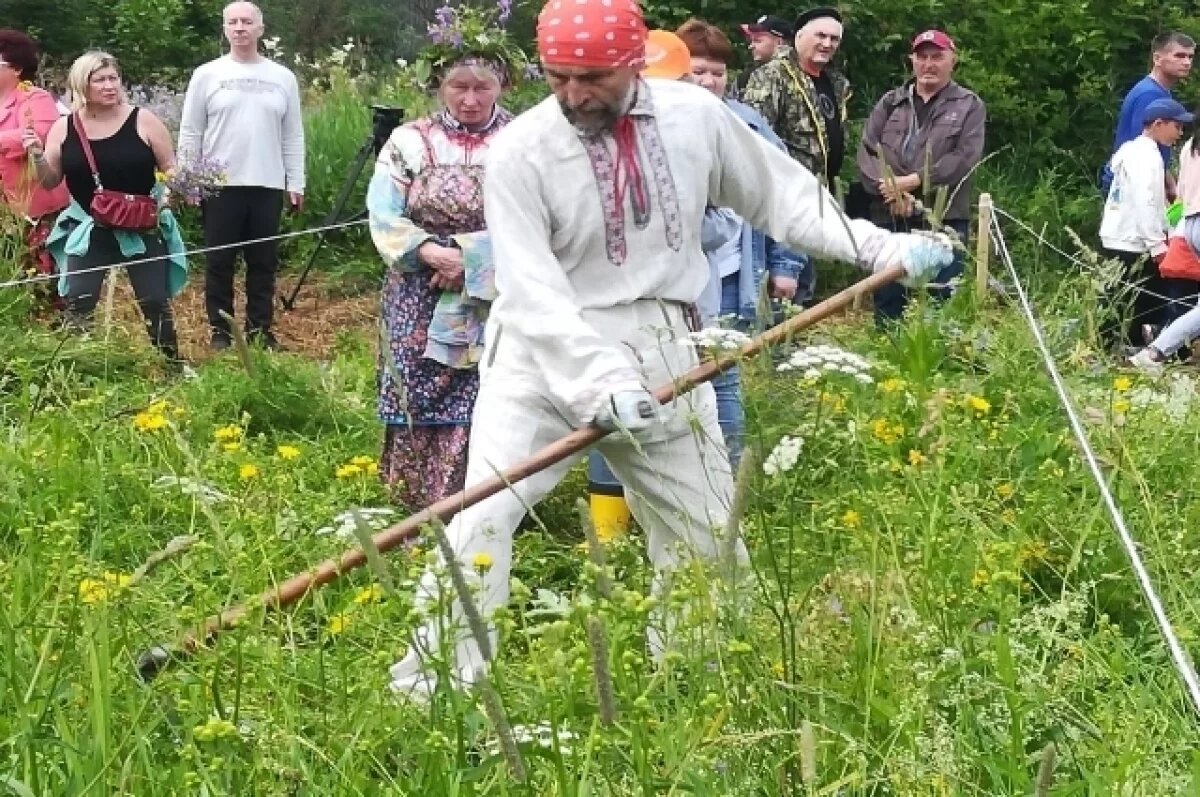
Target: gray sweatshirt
[(247, 117)]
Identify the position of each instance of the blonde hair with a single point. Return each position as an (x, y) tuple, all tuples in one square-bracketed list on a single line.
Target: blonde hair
[(81, 72)]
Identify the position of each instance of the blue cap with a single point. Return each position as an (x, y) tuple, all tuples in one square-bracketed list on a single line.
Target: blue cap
[(1166, 109)]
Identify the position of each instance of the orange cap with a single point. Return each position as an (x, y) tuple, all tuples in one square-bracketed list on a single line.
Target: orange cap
[(667, 56)]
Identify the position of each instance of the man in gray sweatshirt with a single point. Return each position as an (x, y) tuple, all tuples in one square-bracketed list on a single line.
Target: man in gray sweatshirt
[(243, 111)]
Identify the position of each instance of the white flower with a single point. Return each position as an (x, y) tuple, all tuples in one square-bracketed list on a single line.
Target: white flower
[(271, 44), (344, 523), (403, 64), (812, 373), (338, 57), (716, 338), (864, 378), (784, 456), (541, 735), (348, 46)]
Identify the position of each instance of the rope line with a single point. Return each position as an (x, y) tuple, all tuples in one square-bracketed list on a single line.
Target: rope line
[(55, 275), (1183, 663)]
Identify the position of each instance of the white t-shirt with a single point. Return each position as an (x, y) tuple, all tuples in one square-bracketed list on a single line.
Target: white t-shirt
[(246, 116)]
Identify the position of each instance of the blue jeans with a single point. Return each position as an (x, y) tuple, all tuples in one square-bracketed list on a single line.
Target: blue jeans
[(890, 300), (731, 414)]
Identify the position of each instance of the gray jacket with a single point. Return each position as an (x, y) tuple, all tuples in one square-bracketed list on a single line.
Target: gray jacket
[(947, 146)]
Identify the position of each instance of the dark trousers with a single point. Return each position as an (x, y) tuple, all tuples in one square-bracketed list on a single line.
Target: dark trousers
[(149, 281), (236, 214), (1136, 296), (891, 299)]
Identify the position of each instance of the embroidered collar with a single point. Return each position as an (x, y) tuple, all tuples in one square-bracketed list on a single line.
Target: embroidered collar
[(452, 125)]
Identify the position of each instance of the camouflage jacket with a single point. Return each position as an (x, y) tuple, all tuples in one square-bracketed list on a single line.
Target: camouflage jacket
[(784, 93)]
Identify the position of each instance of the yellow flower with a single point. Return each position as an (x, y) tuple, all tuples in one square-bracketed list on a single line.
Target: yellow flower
[(160, 407), (1008, 516), (1122, 384), (1121, 406), (231, 448), (348, 471), (228, 433), (1005, 490), (777, 669), (851, 519), (248, 472), (980, 579), (892, 385), (288, 452), (483, 561), (371, 594), (149, 421), (916, 458), (978, 404), (886, 432), (1033, 553), (338, 623), (362, 462), (96, 590)]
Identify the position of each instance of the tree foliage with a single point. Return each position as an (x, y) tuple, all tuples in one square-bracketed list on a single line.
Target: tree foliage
[(1051, 73)]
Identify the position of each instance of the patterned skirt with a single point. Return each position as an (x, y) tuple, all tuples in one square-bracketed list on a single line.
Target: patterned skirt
[(424, 464)]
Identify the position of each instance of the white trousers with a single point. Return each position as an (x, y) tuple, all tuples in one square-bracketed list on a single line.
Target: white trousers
[(676, 476)]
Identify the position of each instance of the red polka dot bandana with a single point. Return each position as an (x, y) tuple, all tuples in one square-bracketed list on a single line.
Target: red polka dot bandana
[(592, 33)]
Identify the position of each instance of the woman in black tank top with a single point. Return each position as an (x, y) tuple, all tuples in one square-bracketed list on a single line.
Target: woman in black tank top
[(129, 144)]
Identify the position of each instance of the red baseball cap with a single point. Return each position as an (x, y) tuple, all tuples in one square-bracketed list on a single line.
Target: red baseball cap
[(936, 38)]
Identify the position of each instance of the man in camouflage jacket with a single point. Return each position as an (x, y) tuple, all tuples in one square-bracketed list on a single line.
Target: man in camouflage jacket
[(803, 97)]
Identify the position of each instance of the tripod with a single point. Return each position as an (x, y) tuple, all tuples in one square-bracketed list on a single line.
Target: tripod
[(384, 120)]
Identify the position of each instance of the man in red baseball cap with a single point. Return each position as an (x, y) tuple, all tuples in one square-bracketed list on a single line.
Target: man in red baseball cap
[(929, 126)]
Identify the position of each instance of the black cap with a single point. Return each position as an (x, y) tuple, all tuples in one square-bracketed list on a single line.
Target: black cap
[(817, 13), (776, 26)]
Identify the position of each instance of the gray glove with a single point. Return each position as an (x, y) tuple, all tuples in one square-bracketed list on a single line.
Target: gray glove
[(923, 254), (630, 410)]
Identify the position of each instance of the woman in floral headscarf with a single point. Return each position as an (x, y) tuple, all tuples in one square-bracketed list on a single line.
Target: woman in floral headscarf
[(426, 211), (22, 106)]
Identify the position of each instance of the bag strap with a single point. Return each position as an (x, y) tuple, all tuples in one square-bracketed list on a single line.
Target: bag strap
[(77, 120)]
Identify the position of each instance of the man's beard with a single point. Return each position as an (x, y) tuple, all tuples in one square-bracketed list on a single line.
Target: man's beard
[(592, 122)]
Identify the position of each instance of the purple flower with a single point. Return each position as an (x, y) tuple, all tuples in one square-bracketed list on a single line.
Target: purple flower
[(444, 16), (505, 7)]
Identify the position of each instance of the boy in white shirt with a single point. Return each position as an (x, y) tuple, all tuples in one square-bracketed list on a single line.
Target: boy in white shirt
[(1134, 227)]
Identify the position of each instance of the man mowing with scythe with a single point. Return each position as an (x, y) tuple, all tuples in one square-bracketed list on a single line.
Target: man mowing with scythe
[(595, 199)]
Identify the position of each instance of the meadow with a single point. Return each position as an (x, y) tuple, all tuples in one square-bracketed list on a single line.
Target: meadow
[(938, 605)]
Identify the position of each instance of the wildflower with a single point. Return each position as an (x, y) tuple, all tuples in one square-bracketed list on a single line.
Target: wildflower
[(248, 472), (716, 339), (1121, 406), (977, 404), (97, 590), (482, 562), (1005, 490), (981, 579), (885, 431), (338, 624), (286, 452), (231, 448), (214, 729), (892, 385), (777, 669), (371, 594), (1122, 384), (228, 433), (851, 519), (784, 456), (1008, 516), (348, 471), (149, 421), (1033, 553), (362, 462), (916, 458)]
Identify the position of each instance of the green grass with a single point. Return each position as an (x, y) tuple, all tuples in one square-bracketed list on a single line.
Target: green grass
[(936, 594)]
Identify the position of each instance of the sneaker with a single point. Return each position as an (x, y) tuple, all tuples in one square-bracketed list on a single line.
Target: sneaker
[(1147, 360), (220, 342)]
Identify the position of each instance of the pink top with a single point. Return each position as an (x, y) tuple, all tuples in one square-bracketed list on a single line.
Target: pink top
[(1188, 185), (21, 189)]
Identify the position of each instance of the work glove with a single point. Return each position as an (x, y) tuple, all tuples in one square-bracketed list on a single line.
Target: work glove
[(923, 254), (628, 410)]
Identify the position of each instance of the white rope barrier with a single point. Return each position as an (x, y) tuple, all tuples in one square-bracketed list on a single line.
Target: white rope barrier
[(53, 276), (1182, 662)]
